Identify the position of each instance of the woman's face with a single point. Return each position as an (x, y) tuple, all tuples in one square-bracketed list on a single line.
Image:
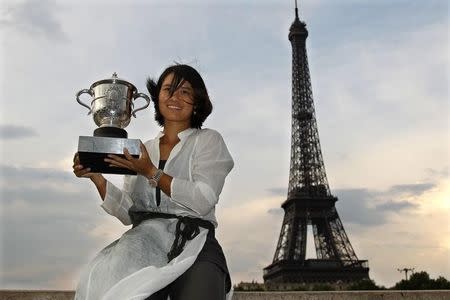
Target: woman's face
[(178, 107)]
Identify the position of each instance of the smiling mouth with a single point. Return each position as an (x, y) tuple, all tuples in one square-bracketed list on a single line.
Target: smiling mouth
[(174, 107)]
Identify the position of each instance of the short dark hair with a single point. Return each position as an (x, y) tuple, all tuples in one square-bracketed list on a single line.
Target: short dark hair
[(202, 103)]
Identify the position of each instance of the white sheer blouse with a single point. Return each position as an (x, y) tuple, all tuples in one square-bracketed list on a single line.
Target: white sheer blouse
[(198, 164)]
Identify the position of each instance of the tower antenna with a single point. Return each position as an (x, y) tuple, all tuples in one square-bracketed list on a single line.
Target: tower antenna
[(406, 270)]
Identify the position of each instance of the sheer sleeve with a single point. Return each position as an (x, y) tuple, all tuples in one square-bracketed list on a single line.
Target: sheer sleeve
[(211, 163), (117, 201)]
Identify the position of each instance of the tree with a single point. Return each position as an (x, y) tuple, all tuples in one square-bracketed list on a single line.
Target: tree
[(322, 287), (364, 285), (422, 281), (442, 284)]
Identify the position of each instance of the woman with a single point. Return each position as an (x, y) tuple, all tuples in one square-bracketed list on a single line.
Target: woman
[(171, 249)]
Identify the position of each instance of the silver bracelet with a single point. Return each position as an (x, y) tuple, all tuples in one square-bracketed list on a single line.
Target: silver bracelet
[(154, 180)]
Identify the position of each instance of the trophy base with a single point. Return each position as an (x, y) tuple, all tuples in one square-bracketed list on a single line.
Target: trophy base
[(109, 131), (93, 150)]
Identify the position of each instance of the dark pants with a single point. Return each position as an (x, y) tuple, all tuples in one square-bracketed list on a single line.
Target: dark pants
[(203, 281)]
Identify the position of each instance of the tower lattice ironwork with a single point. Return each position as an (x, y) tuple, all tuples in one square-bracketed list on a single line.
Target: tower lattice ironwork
[(309, 200)]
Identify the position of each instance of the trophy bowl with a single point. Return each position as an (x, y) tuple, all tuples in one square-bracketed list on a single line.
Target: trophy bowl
[(111, 107)]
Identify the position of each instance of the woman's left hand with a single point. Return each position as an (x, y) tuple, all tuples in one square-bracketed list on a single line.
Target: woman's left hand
[(142, 165)]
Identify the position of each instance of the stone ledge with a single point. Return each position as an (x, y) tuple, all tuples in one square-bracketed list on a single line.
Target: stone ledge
[(334, 295), (36, 295), (344, 295)]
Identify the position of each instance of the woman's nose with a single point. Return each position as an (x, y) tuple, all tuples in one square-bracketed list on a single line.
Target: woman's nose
[(175, 95)]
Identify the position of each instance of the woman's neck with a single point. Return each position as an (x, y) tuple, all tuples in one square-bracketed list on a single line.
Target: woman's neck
[(171, 130)]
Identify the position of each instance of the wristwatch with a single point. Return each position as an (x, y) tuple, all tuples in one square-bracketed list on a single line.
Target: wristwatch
[(153, 180)]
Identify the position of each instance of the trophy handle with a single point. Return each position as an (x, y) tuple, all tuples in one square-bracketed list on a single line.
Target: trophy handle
[(85, 91), (140, 95)]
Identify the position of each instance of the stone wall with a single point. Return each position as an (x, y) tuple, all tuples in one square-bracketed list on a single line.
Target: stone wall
[(344, 295)]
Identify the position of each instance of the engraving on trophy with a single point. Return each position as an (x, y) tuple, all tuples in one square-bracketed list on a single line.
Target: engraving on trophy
[(113, 94)]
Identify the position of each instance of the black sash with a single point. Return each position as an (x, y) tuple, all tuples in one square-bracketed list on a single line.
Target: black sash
[(187, 228)]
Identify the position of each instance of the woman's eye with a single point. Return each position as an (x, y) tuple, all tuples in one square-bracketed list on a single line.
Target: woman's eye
[(186, 92)]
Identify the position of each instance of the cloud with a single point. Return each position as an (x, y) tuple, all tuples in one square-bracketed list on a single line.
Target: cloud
[(33, 18), (247, 68), (25, 174), (409, 238), (11, 132), (412, 189), (369, 207), (434, 174), (371, 106), (278, 191), (47, 220), (395, 206), (374, 219), (249, 251), (276, 211), (354, 206)]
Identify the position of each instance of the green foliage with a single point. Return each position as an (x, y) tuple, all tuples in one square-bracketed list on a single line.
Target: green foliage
[(288, 287), (249, 286), (417, 281), (442, 284), (322, 287), (364, 285), (300, 287), (422, 281), (255, 286)]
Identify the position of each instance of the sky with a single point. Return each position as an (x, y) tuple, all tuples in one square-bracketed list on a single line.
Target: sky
[(380, 76)]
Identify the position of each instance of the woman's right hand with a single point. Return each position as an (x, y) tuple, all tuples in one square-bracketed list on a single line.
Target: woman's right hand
[(81, 171), (96, 178)]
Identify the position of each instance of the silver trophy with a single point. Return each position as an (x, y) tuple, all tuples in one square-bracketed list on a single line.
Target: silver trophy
[(112, 107)]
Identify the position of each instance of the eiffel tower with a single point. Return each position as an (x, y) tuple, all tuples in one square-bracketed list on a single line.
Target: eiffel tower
[(309, 200)]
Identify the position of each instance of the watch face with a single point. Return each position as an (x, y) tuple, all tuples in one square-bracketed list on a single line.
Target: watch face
[(153, 182)]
